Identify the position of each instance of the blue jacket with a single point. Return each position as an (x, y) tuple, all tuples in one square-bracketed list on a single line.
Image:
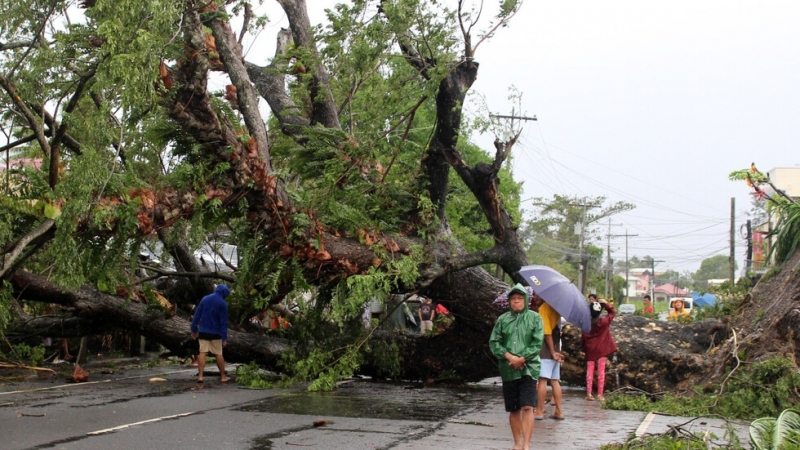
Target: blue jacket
[(212, 313)]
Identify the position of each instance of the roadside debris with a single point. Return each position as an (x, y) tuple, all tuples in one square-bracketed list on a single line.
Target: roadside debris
[(79, 375)]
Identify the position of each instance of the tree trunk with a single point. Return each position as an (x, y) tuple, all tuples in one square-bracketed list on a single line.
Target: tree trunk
[(653, 355)]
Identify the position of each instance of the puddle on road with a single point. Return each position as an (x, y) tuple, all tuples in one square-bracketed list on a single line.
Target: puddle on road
[(373, 400), (379, 400)]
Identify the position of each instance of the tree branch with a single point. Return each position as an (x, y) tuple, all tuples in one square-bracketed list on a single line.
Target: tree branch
[(270, 83), (28, 114), (319, 86), (10, 259), (16, 44), (231, 55), (18, 142), (172, 273)]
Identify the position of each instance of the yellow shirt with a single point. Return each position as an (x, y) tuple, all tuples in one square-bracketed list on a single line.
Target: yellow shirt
[(551, 321), (675, 314), (550, 318)]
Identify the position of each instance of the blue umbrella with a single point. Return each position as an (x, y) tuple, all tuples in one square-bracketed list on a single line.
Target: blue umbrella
[(560, 294), (703, 300)]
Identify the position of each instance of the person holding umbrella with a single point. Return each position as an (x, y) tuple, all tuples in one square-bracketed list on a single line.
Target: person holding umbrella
[(516, 341), (551, 358)]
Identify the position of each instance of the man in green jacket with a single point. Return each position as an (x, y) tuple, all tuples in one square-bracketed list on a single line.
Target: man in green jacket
[(516, 341)]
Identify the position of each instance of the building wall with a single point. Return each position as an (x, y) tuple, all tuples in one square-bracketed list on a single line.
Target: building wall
[(786, 179)]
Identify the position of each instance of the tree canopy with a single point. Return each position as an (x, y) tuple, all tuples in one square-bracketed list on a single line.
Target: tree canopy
[(134, 126)]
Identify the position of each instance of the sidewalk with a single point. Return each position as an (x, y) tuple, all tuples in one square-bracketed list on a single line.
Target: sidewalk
[(586, 426)]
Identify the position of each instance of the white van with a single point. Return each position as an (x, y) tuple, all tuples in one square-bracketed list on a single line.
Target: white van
[(688, 303)]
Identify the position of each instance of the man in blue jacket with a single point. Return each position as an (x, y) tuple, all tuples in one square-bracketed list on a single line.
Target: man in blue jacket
[(516, 341), (212, 317)]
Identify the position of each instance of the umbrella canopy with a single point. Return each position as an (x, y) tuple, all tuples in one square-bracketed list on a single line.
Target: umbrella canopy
[(704, 300), (501, 301), (560, 294)]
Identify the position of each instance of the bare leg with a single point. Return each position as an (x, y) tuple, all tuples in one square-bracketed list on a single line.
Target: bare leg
[(556, 386), (541, 393), (65, 350), (517, 430), (221, 366), (527, 426), (201, 365)]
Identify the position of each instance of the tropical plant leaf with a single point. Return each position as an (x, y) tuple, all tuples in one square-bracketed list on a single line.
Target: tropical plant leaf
[(785, 434), (761, 433)]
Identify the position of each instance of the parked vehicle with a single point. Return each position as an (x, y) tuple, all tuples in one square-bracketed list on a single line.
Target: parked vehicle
[(627, 308)]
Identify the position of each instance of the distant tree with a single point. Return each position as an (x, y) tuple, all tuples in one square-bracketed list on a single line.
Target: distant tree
[(712, 268), (553, 236), (667, 276)]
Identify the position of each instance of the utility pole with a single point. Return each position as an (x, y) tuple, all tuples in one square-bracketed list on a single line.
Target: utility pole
[(653, 278), (749, 255), (732, 256), (627, 266), (579, 228), (609, 265)]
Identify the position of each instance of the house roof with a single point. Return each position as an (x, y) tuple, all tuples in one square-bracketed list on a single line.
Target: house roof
[(21, 162), (671, 289)]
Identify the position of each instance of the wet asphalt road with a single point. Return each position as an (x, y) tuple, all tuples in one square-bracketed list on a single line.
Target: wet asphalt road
[(126, 410)]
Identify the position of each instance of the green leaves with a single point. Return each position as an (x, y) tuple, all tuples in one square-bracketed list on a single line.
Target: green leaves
[(761, 432), (782, 433)]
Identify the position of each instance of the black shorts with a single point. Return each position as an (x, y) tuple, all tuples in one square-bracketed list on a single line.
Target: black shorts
[(519, 393)]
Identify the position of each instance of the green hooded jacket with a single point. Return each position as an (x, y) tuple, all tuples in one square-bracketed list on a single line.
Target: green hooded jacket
[(520, 334)]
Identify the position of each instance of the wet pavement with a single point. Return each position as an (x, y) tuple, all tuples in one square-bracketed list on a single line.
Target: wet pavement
[(129, 409)]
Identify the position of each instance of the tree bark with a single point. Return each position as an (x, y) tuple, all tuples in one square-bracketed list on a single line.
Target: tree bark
[(93, 306)]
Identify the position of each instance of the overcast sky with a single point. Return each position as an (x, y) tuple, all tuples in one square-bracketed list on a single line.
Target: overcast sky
[(653, 103)]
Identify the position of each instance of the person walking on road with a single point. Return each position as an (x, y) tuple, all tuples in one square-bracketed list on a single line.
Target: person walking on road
[(210, 328), (516, 341), (597, 345), (551, 357)]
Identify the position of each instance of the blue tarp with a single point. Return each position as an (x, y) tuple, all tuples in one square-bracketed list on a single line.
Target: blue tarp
[(705, 299)]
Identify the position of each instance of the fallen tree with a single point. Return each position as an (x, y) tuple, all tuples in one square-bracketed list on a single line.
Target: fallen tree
[(361, 184)]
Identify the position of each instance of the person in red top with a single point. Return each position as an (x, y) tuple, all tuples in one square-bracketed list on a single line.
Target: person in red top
[(597, 345), (647, 305)]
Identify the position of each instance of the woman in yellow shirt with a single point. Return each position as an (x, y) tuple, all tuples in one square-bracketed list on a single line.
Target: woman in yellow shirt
[(677, 310)]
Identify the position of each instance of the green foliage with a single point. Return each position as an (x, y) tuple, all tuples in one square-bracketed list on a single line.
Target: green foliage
[(364, 177), (26, 354), (386, 357), (785, 210), (680, 441), (729, 298), (787, 231), (6, 300), (768, 433), (252, 376), (762, 389)]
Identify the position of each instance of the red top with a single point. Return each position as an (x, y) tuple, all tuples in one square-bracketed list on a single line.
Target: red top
[(598, 343), (441, 309), (648, 309)]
